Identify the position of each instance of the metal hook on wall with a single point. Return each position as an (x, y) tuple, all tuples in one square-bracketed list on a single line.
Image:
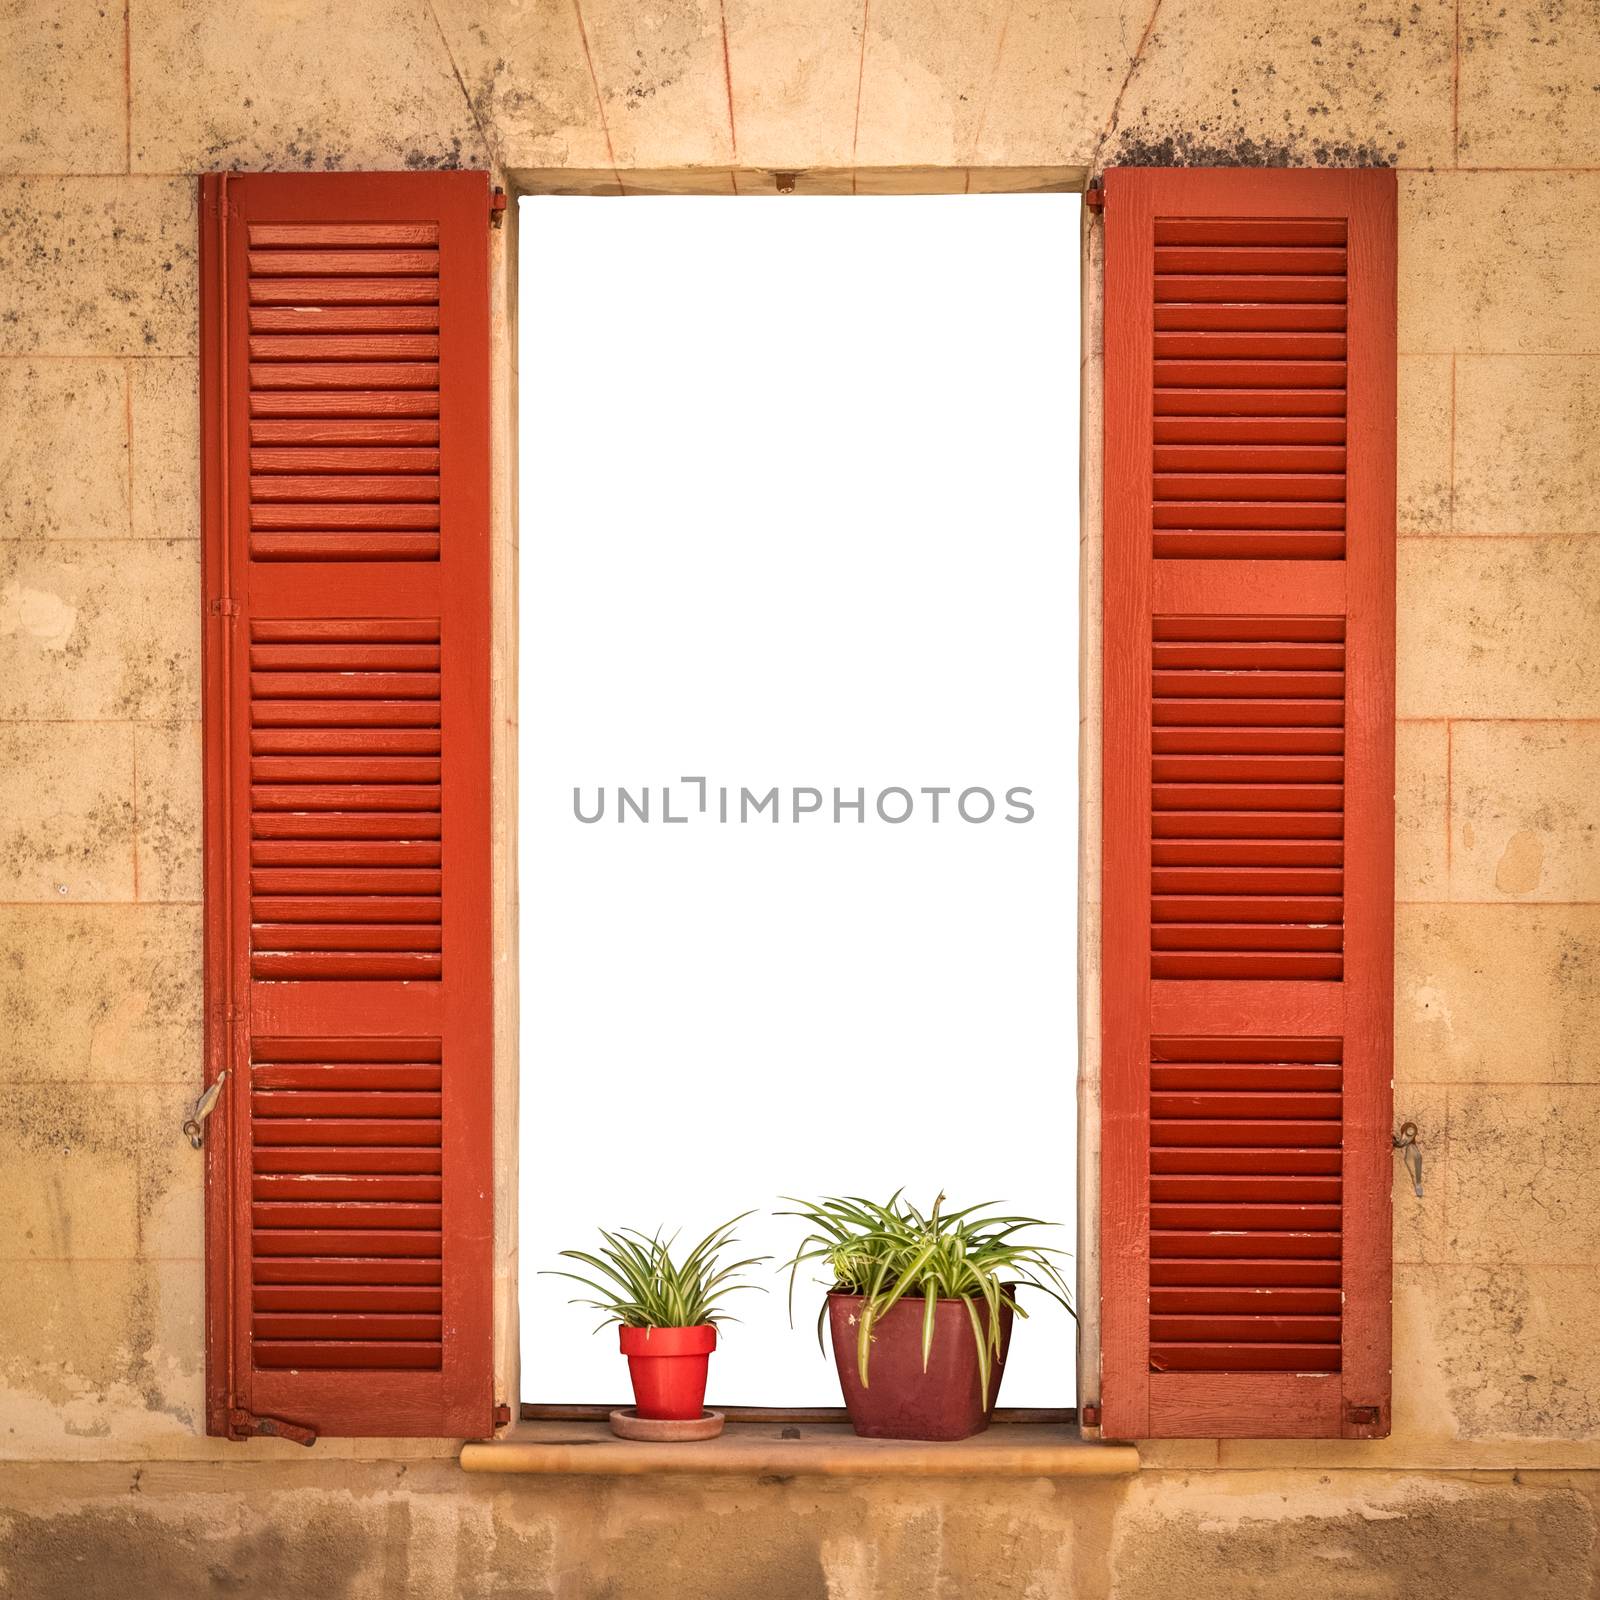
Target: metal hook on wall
[(195, 1124), (1406, 1143)]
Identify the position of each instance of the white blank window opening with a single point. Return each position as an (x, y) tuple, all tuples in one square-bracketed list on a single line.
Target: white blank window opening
[(798, 512)]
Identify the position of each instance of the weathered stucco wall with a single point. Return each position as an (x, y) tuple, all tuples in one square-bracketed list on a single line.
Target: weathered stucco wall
[(1487, 107)]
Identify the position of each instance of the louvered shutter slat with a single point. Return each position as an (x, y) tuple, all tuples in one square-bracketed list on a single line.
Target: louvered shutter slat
[(346, 348), (1248, 802)]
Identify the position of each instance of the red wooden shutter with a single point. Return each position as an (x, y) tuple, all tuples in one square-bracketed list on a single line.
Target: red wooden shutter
[(345, 377), (1249, 802)]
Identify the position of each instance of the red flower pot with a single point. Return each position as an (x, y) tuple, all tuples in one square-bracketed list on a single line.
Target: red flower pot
[(668, 1368), (900, 1400)]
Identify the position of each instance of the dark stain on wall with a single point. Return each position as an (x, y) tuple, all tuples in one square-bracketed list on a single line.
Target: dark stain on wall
[(1199, 146)]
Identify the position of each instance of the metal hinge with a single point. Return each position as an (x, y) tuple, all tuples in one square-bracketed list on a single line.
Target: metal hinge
[(502, 1415), (497, 208), (1365, 1416), (247, 1425), (1089, 1416), (1095, 197), (225, 607)]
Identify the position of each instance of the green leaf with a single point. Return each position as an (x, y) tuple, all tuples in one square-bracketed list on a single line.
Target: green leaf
[(886, 1251), (646, 1288)]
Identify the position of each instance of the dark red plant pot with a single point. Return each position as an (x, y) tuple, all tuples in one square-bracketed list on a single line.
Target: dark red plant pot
[(668, 1368), (900, 1400)]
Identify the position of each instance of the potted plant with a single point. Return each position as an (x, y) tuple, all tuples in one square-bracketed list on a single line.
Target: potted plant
[(667, 1312), (920, 1308)]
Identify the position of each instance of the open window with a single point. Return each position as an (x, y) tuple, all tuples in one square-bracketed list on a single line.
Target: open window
[(1238, 1261), (798, 719)]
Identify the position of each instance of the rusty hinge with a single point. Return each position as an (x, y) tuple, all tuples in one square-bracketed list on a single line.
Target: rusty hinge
[(502, 1415), (1365, 1416), (1089, 1416), (225, 607), (247, 1425), (1095, 197), (497, 208)]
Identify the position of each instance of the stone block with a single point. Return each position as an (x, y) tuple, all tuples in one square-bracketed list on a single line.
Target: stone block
[(1519, 1184), (1528, 75), (50, 492), (100, 629), (1528, 444), (1511, 1350), (1497, 994), (62, 98), (66, 812), (1499, 262), (99, 266), (1525, 811), (106, 994), (1492, 628)]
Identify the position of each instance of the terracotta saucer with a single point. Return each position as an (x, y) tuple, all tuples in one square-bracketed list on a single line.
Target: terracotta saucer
[(628, 1424)]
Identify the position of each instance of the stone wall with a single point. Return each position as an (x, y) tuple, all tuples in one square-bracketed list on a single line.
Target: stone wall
[(1489, 110), (334, 1531)]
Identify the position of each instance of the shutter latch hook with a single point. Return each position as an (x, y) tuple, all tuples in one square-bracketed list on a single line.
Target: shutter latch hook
[(1406, 1143), (194, 1123)]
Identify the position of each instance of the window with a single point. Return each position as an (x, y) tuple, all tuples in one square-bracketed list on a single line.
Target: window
[(1242, 1140), (799, 513)]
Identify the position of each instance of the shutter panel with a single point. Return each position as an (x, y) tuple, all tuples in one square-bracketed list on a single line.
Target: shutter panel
[(1248, 803), (345, 378)]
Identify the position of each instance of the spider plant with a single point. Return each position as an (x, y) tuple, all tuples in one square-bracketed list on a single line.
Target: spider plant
[(886, 1252), (642, 1286)]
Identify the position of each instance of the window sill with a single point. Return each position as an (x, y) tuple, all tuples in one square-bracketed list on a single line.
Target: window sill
[(829, 1450)]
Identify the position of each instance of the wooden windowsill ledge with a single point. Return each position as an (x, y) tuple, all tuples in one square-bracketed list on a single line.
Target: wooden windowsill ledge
[(829, 1450)]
